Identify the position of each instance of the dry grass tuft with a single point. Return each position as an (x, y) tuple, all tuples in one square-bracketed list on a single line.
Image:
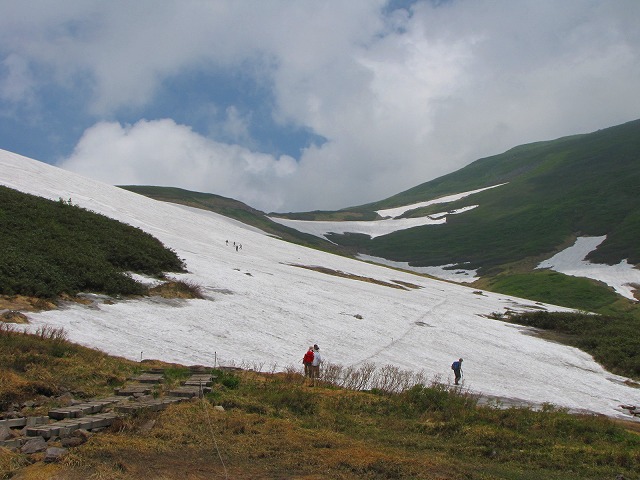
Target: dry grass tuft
[(338, 273), (177, 289)]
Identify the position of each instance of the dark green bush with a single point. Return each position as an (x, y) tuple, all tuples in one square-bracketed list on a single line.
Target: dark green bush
[(48, 248), (612, 340), (230, 381)]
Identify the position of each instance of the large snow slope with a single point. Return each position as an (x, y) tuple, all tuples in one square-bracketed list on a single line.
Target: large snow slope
[(262, 310)]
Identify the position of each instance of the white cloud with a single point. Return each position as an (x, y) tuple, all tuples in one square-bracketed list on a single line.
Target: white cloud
[(399, 98), (162, 152), (18, 81)]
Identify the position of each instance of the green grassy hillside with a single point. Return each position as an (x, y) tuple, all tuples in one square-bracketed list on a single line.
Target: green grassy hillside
[(580, 185), (48, 248)]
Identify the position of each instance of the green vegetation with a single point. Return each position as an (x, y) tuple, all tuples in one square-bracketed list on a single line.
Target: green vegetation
[(612, 341), (48, 248), (558, 289), (273, 426)]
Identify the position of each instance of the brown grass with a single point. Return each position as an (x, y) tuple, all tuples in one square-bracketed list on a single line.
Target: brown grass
[(337, 273), (193, 441), (25, 304), (177, 289)]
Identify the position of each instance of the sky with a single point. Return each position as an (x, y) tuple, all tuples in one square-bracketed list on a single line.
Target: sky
[(261, 310), (303, 105)]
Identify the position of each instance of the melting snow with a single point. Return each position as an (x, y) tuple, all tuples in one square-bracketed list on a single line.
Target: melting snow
[(444, 272), (378, 228), (397, 211), (262, 310), (571, 261)]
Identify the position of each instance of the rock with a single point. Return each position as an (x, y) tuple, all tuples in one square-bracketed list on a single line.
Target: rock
[(71, 442), (66, 399), (82, 433), (5, 433), (219, 408), (147, 426), (33, 445), (54, 454), (13, 316)]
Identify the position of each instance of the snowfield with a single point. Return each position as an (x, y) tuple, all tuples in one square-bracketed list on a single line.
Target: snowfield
[(262, 309)]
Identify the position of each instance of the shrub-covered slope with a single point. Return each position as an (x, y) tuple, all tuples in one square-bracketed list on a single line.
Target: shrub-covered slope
[(48, 248)]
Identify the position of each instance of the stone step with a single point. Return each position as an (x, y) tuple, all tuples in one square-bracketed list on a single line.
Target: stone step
[(201, 375), (23, 422), (197, 383), (64, 428), (149, 378), (188, 391), (134, 389), (155, 405), (82, 409), (13, 443)]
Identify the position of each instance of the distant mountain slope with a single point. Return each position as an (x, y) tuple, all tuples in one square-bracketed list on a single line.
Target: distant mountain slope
[(233, 209), (581, 185)]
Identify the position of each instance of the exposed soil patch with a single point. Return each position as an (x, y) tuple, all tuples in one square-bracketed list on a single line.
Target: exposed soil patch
[(12, 316), (338, 273), (407, 284), (177, 289)]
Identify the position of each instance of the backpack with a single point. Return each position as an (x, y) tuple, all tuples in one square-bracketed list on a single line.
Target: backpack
[(455, 366), (308, 357)]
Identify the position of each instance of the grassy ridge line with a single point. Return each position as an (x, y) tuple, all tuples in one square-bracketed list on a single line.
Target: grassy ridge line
[(275, 427), (48, 248)]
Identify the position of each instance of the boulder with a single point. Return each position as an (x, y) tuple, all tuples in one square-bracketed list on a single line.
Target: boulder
[(5, 433), (54, 454), (34, 445), (71, 442)]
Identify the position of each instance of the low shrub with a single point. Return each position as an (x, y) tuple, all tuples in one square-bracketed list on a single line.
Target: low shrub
[(48, 248)]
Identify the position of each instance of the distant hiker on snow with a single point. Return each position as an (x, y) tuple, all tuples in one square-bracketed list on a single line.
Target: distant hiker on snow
[(317, 360), (307, 361), (457, 370)]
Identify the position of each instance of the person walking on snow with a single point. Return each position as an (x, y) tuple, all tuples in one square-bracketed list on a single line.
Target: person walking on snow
[(457, 370), (307, 361), (317, 360)]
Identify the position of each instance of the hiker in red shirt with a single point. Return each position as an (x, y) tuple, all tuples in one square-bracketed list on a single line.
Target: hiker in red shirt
[(307, 361)]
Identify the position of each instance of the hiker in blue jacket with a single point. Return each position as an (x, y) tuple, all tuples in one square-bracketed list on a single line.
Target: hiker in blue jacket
[(457, 370)]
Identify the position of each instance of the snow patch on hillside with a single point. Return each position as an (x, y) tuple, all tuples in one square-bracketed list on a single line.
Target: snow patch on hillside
[(390, 224), (444, 272), (397, 211), (623, 277), (374, 228)]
